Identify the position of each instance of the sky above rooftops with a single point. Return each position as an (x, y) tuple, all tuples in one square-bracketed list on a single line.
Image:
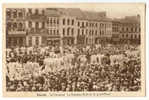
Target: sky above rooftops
[(113, 10)]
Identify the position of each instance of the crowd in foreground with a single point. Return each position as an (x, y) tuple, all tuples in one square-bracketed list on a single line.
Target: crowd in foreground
[(71, 68)]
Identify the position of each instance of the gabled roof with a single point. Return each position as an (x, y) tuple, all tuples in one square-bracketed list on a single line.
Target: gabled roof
[(94, 15), (75, 12), (78, 13), (52, 12), (128, 19)]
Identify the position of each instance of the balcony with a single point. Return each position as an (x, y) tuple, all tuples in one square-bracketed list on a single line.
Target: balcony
[(35, 17), (16, 32), (11, 18), (37, 31)]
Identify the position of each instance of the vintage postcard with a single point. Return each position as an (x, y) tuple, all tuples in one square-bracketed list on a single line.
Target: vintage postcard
[(74, 49)]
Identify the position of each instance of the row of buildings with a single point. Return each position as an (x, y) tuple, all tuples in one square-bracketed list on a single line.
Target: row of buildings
[(67, 26)]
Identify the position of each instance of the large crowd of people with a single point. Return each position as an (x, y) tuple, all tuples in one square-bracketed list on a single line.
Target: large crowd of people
[(74, 68)]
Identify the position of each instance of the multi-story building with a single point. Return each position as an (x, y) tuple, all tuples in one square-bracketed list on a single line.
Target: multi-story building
[(83, 31), (82, 28), (130, 29), (115, 30), (74, 26), (36, 26), (53, 26), (90, 27), (67, 26), (15, 27), (61, 26), (105, 30)]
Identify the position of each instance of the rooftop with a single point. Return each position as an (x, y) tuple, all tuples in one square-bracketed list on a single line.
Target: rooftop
[(77, 13), (129, 19)]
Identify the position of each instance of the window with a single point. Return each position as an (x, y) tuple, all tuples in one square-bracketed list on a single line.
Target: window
[(37, 40), (101, 25), (29, 24), (132, 29), (43, 24), (20, 27), (63, 32), (86, 24), (78, 31), (131, 36), (82, 24), (63, 21), (68, 32), (37, 25), (54, 21), (135, 36), (93, 24), (100, 32), (50, 20), (123, 36), (72, 31), (136, 29), (20, 14), (139, 36), (21, 41), (14, 14), (127, 29), (14, 26), (51, 32), (43, 12), (86, 31), (30, 41), (126, 35), (68, 22), (92, 32), (30, 11), (96, 32), (57, 21), (78, 23), (96, 24), (54, 32), (9, 40), (8, 25), (57, 32), (36, 11), (139, 29), (90, 24), (82, 32), (8, 14), (72, 22)]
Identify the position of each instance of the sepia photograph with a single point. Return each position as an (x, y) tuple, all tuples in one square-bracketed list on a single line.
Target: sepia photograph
[(73, 49)]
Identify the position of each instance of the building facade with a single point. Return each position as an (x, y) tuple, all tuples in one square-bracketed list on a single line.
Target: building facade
[(68, 30), (36, 27), (15, 27), (130, 30), (115, 31), (67, 26), (53, 26)]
